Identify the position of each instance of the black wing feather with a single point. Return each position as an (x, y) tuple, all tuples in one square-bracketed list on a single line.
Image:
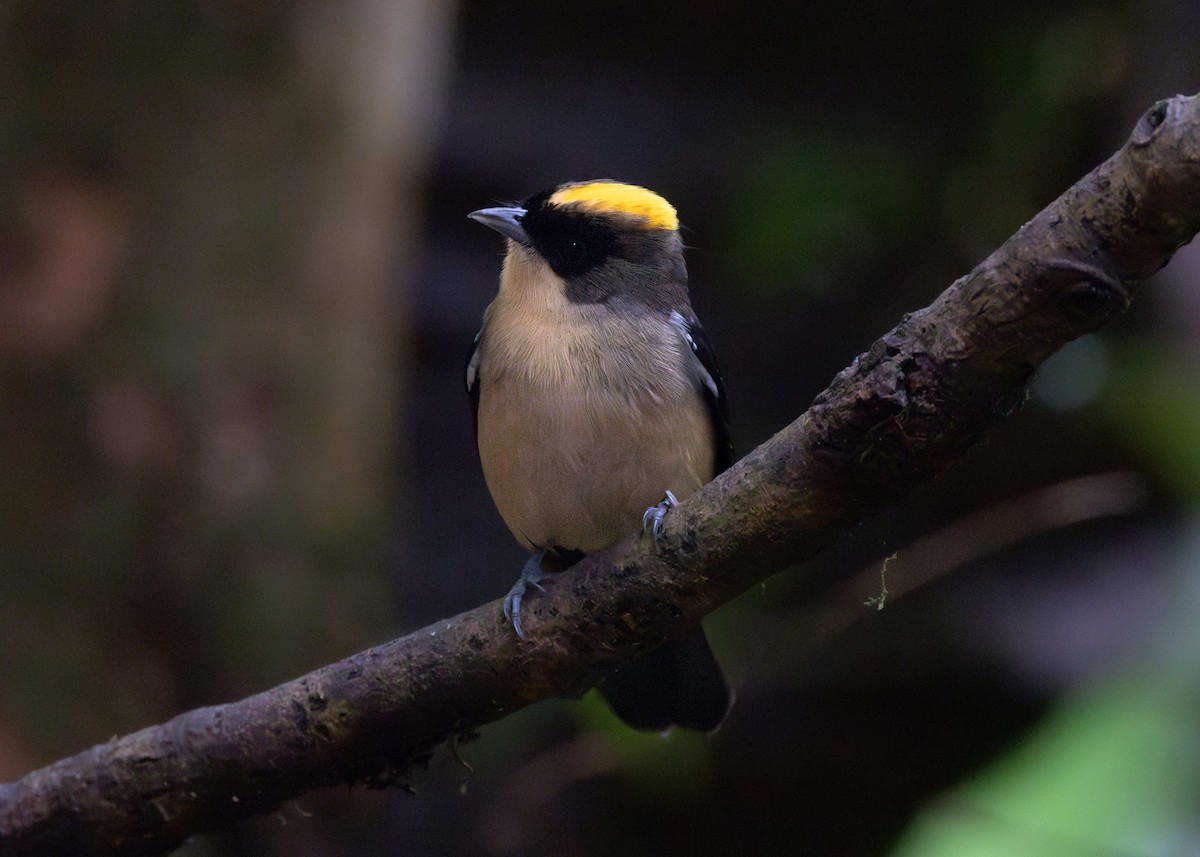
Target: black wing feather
[(714, 396), (471, 375)]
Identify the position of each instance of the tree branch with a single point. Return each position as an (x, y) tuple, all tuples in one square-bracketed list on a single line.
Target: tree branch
[(907, 408)]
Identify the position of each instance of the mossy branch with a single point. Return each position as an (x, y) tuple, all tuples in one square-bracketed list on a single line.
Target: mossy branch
[(902, 412)]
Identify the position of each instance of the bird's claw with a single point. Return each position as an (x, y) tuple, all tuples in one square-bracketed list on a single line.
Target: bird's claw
[(531, 575), (652, 520)]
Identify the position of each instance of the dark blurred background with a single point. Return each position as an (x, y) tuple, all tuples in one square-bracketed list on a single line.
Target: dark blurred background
[(237, 288)]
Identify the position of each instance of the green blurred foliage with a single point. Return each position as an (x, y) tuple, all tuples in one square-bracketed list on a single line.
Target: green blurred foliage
[(1153, 400), (820, 209), (1038, 85), (1115, 769)]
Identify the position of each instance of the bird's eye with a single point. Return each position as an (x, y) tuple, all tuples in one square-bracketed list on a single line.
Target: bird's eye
[(576, 252), (571, 243)]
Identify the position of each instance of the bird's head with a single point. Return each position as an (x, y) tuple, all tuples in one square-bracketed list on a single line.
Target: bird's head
[(601, 238)]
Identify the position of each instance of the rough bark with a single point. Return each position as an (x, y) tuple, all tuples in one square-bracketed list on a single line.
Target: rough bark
[(907, 408)]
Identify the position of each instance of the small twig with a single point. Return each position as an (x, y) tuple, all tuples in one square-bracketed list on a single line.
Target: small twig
[(877, 601)]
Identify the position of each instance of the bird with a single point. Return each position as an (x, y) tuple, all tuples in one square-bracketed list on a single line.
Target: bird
[(598, 404)]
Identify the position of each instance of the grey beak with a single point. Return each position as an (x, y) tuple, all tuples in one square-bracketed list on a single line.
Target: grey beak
[(506, 221)]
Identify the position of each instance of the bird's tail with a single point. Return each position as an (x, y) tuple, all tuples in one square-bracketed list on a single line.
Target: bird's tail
[(678, 684)]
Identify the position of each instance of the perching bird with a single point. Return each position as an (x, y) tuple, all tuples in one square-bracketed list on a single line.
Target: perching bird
[(596, 394)]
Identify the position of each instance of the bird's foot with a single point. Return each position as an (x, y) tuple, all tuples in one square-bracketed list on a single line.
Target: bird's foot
[(531, 575), (652, 520)]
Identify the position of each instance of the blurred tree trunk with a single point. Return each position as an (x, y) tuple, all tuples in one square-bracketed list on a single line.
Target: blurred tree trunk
[(207, 216)]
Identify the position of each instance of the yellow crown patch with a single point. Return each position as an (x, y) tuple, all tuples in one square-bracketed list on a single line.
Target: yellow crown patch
[(615, 198)]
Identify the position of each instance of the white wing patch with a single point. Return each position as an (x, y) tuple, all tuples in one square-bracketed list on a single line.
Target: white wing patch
[(681, 325), (473, 363)]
